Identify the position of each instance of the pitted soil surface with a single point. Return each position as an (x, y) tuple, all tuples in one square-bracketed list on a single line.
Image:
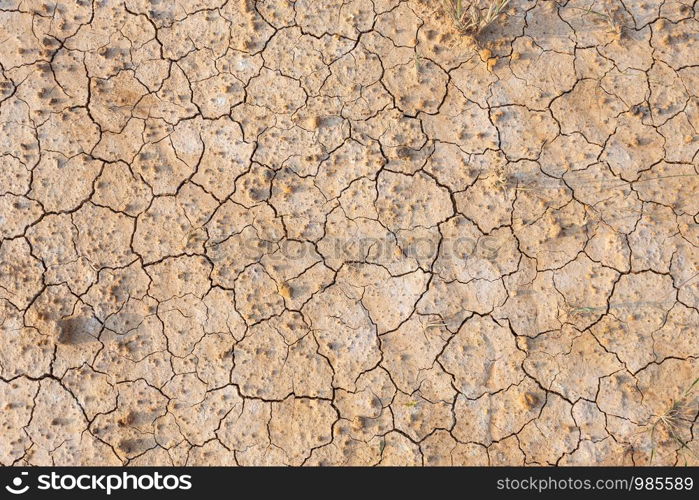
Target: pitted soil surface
[(340, 232)]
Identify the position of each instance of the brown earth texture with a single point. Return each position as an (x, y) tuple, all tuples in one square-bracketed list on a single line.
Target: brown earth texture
[(343, 232)]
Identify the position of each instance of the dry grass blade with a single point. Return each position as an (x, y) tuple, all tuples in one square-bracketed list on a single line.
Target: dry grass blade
[(680, 412), (607, 17), (473, 17)]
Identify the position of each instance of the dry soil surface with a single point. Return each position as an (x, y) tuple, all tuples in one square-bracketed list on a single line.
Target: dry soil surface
[(339, 232)]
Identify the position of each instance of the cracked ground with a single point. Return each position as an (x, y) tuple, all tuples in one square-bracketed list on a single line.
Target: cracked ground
[(340, 232)]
